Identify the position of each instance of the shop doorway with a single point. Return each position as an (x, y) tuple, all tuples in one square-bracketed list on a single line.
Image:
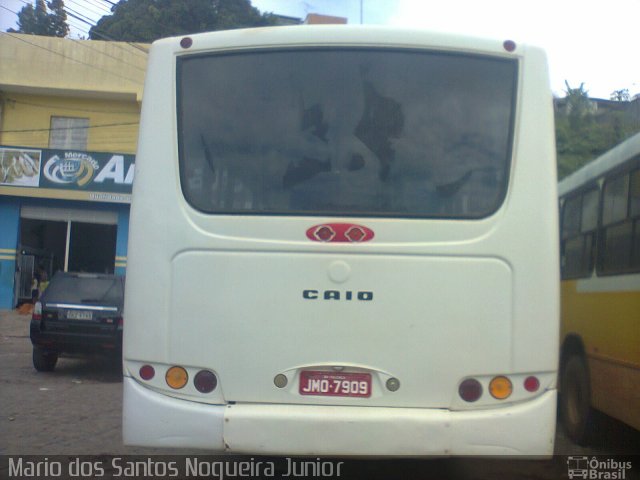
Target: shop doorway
[(92, 247), (56, 239), (45, 240), (72, 246)]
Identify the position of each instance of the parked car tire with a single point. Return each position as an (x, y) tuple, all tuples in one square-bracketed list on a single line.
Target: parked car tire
[(44, 361), (575, 400)]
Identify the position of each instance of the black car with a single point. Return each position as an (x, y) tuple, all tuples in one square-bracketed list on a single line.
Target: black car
[(78, 313)]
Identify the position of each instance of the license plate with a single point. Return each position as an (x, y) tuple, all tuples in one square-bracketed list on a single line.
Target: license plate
[(79, 315), (335, 384)]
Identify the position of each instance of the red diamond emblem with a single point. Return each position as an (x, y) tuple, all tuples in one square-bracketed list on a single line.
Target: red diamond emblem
[(355, 234), (339, 233), (324, 233)]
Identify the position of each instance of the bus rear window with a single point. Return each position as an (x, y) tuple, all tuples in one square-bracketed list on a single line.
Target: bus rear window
[(345, 132)]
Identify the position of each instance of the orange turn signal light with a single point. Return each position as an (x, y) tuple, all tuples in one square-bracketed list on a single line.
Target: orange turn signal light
[(500, 388), (176, 377)]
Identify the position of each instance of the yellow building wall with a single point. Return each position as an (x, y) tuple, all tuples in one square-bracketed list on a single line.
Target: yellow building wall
[(26, 120), (84, 67), (41, 77)]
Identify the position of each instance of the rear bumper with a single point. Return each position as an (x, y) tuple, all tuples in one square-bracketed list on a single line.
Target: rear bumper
[(153, 419), (73, 342)]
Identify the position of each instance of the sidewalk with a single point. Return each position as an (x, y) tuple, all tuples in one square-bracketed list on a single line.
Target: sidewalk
[(14, 324)]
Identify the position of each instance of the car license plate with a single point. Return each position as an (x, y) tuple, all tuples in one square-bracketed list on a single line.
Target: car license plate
[(335, 384), (79, 315)]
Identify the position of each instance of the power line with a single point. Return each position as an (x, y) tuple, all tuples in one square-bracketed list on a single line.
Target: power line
[(100, 6), (87, 19), (122, 124), (74, 25), (67, 20), (87, 6), (72, 59), (31, 5), (95, 30), (9, 10), (58, 107), (85, 45)]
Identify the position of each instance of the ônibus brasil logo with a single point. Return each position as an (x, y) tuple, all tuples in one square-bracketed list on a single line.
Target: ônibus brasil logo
[(80, 168), (595, 469)]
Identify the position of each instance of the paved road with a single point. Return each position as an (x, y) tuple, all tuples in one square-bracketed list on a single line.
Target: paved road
[(77, 411)]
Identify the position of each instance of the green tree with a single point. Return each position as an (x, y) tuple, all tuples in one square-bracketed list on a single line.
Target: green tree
[(58, 18), (583, 133), (578, 106), (37, 21), (148, 20), (620, 95)]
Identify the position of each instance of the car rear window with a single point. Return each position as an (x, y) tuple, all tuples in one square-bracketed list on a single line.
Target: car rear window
[(371, 132), (85, 289)]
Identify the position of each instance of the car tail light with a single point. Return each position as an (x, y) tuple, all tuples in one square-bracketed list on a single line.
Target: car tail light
[(205, 381), (470, 390), (120, 321), (500, 387), (176, 377), (37, 311), (147, 372), (531, 384)]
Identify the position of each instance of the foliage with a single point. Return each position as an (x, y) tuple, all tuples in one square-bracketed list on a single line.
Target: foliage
[(583, 133), (149, 20), (38, 21), (58, 18), (621, 95)]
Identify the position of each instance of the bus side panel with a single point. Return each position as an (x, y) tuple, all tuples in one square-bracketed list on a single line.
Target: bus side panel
[(605, 318), (530, 222), (615, 389)]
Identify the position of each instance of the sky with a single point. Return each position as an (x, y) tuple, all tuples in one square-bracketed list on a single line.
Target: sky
[(587, 41)]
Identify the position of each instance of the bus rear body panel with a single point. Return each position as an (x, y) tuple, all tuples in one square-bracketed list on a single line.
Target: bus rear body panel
[(411, 323), (343, 259)]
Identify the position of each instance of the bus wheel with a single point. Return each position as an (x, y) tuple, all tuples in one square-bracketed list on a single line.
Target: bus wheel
[(44, 361), (575, 400)]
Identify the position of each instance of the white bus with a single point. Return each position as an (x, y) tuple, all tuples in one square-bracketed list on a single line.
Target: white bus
[(343, 242)]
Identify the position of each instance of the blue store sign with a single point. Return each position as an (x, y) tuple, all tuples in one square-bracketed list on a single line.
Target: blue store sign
[(68, 174)]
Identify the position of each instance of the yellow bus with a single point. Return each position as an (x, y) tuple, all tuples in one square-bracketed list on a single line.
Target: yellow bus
[(600, 251)]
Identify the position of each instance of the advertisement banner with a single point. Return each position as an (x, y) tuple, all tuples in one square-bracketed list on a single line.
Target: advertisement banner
[(66, 174)]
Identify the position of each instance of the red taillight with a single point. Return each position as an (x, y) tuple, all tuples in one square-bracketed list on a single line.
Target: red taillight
[(37, 312), (470, 390), (531, 384), (147, 372), (509, 45), (205, 381), (120, 321)]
